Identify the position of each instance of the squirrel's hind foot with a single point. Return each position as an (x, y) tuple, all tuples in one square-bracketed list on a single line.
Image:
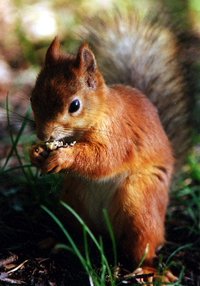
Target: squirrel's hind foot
[(150, 275)]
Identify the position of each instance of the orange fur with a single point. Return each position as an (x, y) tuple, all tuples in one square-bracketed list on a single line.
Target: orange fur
[(122, 160)]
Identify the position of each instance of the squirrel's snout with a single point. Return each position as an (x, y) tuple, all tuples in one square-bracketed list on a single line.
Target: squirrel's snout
[(44, 136), (46, 132)]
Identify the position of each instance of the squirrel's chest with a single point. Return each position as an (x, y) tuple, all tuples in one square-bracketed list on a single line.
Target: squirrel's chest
[(90, 198)]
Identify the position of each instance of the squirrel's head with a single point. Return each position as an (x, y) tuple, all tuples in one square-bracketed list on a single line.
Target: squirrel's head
[(67, 94)]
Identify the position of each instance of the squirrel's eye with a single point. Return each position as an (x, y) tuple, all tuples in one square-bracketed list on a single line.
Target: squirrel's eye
[(74, 106)]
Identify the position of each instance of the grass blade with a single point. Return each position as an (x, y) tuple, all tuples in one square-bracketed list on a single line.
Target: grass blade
[(111, 233), (177, 250), (68, 236), (15, 141), (91, 235)]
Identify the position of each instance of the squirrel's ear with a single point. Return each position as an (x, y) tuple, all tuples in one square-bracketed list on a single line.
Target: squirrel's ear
[(53, 52), (86, 59)]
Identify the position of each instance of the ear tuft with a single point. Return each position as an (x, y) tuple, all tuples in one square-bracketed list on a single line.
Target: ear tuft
[(86, 59), (53, 52)]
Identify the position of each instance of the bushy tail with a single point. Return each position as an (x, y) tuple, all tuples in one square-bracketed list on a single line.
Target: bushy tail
[(146, 55)]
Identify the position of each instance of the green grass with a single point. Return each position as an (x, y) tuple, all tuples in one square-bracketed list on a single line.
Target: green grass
[(105, 272), (15, 140), (186, 195)]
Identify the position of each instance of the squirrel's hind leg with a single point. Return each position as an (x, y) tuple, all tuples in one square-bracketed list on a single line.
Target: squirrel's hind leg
[(138, 211)]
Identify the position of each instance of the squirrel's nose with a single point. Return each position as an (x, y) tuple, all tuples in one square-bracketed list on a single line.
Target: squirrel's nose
[(45, 131), (45, 136)]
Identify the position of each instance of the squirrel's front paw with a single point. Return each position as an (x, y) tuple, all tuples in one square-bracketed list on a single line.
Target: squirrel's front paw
[(38, 154), (58, 160)]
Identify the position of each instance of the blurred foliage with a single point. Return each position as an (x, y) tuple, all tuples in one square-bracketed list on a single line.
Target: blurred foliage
[(30, 25), (27, 27)]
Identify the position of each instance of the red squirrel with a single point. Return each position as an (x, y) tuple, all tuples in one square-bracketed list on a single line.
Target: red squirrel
[(122, 160)]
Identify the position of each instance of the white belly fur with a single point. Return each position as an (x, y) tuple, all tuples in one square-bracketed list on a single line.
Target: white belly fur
[(96, 196)]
